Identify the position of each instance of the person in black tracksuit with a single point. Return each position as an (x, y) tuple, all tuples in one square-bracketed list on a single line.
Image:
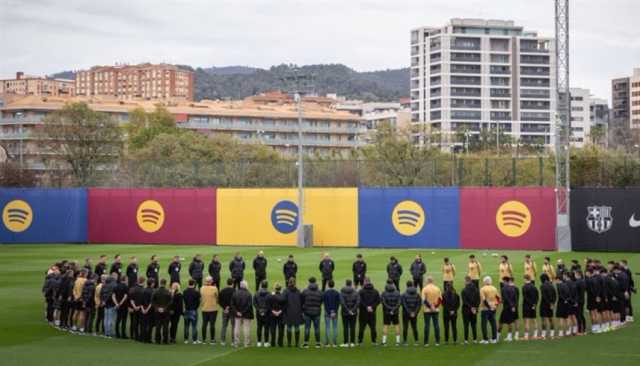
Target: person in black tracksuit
[(289, 269), (311, 311), (174, 270), (624, 284), (214, 270), (508, 316), (418, 269), (470, 305), (593, 295), (136, 299), (196, 270), (49, 290), (632, 288), (88, 299), (153, 271), (176, 311), (450, 307), (349, 303), (121, 295), (191, 299), (564, 304), (326, 267), (132, 272), (101, 267), (411, 303), (359, 269), (391, 303), (116, 267), (228, 319), (277, 304), (394, 271), (547, 303), (293, 312), (147, 312), (581, 289), (369, 301), (161, 300), (530, 297), (260, 268), (236, 268), (263, 314)]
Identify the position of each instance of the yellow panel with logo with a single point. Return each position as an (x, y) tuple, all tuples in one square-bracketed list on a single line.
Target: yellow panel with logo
[(270, 216)]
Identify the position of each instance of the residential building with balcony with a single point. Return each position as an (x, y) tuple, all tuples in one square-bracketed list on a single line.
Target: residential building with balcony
[(482, 74), (634, 99), (36, 85), (374, 114), (587, 111)]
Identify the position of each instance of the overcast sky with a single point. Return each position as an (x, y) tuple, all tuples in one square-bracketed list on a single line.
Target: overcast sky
[(46, 36)]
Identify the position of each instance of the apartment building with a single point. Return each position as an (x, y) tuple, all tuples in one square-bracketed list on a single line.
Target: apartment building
[(36, 85), (587, 111), (634, 99), (374, 114), (143, 81), (325, 129), (482, 74)]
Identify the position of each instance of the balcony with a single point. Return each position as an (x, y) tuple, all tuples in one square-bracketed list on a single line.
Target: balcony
[(535, 116), (272, 128), (500, 70), (465, 57), (535, 128), (32, 120), (534, 71), (535, 105), (534, 94), (500, 93), (461, 80), (465, 92), (500, 116), (14, 135), (466, 115), (465, 69), (466, 103), (537, 83), (463, 43), (500, 81), (534, 60)]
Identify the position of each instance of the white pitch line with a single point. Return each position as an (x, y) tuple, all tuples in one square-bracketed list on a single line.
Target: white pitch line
[(220, 355)]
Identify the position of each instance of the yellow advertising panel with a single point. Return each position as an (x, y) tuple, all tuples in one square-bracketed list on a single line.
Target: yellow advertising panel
[(271, 216)]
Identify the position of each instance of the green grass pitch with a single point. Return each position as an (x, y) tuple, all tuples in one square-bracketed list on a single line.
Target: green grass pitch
[(25, 338)]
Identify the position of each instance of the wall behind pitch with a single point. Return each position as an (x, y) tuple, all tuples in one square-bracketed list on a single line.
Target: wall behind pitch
[(605, 219), (507, 218), (409, 217), (270, 216), (43, 215), (152, 216)]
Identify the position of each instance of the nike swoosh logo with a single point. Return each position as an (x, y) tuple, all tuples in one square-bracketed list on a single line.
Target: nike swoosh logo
[(633, 222)]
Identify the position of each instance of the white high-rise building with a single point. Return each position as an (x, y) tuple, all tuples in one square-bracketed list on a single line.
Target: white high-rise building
[(477, 74), (587, 111)]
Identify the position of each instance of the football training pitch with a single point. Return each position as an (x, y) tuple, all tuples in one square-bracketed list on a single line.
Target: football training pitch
[(26, 339)]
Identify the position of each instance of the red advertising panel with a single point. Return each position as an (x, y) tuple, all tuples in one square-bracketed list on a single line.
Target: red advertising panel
[(507, 218), (152, 216)]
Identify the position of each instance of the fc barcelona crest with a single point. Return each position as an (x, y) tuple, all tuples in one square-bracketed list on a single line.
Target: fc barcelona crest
[(599, 218)]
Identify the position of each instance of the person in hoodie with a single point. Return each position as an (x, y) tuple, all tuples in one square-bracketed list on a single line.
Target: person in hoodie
[(470, 305), (214, 270), (241, 306), (174, 270), (359, 269), (450, 307), (509, 308), (236, 268), (176, 311), (132, 272), (530, 298), (349, 303), (260, 268), (65, 299), (547, 304), (418, 269), (369, 301), (326, 267), (153, 271), (191, 298), (311, 309), (394, 271), (196, 270), (391, 303), (331, 302), (632, 289), (263, 314), (289, 269), (411, 303), (161, 300), (226, 294), (581, 289), (431, 299), (88, 297), (593, 298), (564, 304), (49, 290), (136, 294), (277, 306), (293, 312)]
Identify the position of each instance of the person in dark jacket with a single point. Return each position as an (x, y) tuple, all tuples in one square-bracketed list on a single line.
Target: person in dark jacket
[(510, 303), (101, 267), (394, 271), (214, 270), (369, 301), (176, 311), (132, 272), (289, 269), (593, 297), (632, 289), (147, 311), (116, 267), (224, 300), (349, 304), (391, 302), (326, 267), (573, 310), (331, 302), (418, 269), (196, 270), (470, 305), (107, 298), (359, 269), (263, 314), (174, 270), (564, 304), (161, 300), (88, 300), (121, 300), (153, 271), (530, 298), (547, 304), (260, 268), (49, 290), (311, 309), (236, 268), (277, 305), (242, 308), (293, 312), (450, 307), (581, 289), (191, 298), (136, 294), (411, 303)]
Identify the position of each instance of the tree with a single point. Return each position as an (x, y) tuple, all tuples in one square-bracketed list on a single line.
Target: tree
[(11, 175), (144, 126), (86, 141)]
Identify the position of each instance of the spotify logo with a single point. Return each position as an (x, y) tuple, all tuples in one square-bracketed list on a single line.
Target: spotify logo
[(284, 217), (513, 219), (150, 216), (408, 218), (17, 216)]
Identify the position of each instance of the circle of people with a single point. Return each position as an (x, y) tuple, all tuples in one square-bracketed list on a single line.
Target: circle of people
[(91, 300)]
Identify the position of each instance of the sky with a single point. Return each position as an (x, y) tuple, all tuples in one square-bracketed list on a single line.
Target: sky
[(42, 37)]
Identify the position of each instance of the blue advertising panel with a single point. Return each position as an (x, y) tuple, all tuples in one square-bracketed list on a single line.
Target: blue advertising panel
[(409, 218), (43, 215)]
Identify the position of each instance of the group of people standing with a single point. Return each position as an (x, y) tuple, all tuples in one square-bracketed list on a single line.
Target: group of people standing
[(90, 299)]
